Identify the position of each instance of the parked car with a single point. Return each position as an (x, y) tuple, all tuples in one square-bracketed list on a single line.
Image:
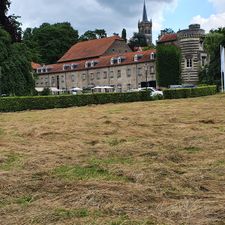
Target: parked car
[(75, 91), (152, 90)]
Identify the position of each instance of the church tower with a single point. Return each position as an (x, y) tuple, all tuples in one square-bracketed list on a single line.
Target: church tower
[(145, 26)]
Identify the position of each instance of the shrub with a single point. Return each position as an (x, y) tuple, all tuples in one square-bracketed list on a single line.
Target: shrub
[(12, 104), (189, 92), (46, 92)]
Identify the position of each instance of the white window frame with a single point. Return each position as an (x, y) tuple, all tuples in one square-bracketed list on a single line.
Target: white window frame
[(189, 63)]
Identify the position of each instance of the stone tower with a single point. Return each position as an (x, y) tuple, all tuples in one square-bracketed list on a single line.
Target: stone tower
[(193, 55), (145, 26)]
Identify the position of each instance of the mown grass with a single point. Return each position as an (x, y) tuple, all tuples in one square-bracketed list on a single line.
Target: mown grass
[(70, 213), (90, 172), (25, 200), (157, 163), (112, 160), (10, 161)]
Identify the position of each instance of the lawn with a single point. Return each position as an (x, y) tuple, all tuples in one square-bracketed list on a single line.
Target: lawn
[(146, 163)]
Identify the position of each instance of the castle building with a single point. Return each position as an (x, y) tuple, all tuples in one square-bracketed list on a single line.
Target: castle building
[(145, 26), (193, 56), (101, 62)]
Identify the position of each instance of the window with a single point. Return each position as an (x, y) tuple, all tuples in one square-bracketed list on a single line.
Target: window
[(139, 71), (98, 76), (53, 80), (118, 73), (39, 70), (113, 61), (153, 56), (203, 60), (87, 64), (93, 63), (73, 78), (120, 59), (128, 72), (111, 74), (105, 75), (128, 87), (137, 57), (189, 63), (92, 76), (73, 66), (66, 66), (84, 76), (119, 88), (152, 69)]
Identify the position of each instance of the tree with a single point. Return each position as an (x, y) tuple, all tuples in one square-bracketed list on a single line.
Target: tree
[(48, 43), (168, 65), (138, 40), (91, 35), (16, 76), (100, 33), (211, 74), (168, 31), (124, 35), (10, 23)]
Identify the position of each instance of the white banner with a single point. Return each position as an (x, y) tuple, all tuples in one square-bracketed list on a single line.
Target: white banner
[(222, 56)]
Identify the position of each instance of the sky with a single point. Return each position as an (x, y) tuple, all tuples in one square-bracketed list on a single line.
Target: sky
[(114, 15)]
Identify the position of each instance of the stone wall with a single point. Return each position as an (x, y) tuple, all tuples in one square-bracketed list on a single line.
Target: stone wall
[(122, 78)]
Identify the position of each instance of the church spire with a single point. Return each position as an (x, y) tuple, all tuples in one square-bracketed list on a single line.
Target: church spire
[(145, 16)]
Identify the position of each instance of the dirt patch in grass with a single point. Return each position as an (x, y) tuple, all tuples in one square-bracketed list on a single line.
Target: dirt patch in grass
[(157, 163)]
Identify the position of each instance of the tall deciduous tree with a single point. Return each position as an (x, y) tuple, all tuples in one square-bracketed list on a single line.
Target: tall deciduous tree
[(91, 35), (212, 73), (168, 65), (15, 63), (49, 42), (10, 23), (138, 40)]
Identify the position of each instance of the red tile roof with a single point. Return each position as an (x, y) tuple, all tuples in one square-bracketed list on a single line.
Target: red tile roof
[(103, 62), (35, 65), (89, 49), (168, 37)]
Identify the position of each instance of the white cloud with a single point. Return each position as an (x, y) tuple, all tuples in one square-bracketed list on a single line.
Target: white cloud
[(85, 15), (214, 21), (219, 5)]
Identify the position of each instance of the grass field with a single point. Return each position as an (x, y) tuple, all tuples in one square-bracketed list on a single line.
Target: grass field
[(151, 163)]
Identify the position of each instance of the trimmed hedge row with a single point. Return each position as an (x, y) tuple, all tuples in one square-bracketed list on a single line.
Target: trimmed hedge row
[(13, 104), (189, 92)]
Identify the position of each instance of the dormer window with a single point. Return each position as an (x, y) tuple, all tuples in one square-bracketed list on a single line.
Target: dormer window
[(153, 56), (73, 66), (137, 57), (87, 64), (66, 66), (113, 61), (39, 70), (93, 63), (120, 59)]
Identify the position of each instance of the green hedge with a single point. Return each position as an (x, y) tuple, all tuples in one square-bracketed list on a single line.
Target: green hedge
[(189, 92), (13, 104)]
